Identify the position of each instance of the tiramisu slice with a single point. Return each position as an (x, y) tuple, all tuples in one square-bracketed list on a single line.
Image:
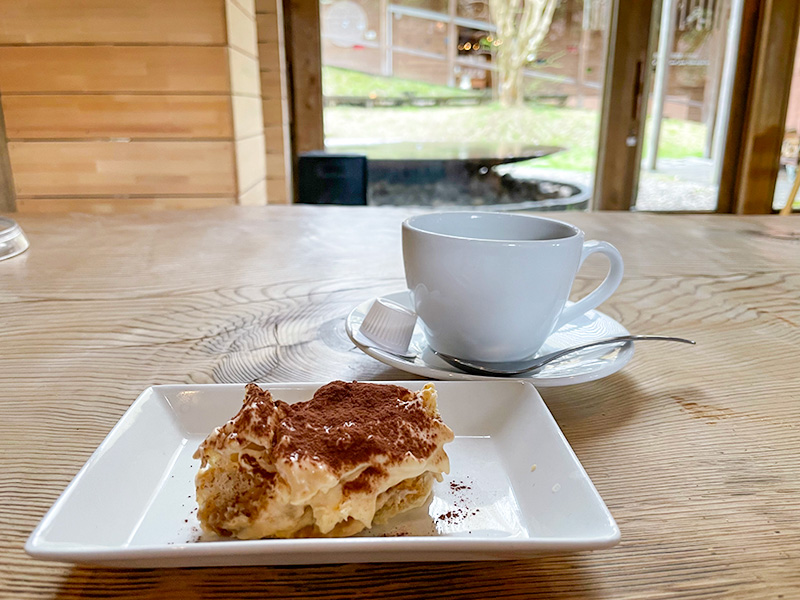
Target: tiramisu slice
[(354, 455)]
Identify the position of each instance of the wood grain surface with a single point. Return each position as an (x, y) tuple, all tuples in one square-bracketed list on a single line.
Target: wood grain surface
[(102, 116), (694, 450), (120, 204), (111, 21), (275, 95), (80, 77), (78, 168), (117, 69)]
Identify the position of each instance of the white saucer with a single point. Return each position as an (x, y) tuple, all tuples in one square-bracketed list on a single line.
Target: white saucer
[(590, 365)]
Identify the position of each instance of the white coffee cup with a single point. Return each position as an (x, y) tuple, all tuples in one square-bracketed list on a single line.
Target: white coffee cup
[(493, 286)]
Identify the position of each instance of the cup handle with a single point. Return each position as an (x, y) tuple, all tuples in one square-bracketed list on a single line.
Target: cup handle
[(602, 292)]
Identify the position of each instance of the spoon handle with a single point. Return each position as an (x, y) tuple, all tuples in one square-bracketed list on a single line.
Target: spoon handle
[(509, 369), (539, 363)]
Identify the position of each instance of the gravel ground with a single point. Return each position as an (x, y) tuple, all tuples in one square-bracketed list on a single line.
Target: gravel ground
[(678, 185), (657, 191)]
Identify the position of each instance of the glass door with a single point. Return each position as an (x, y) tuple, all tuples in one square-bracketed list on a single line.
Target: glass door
[(715, 137), (786, 196), (665, 105), (692, 69)]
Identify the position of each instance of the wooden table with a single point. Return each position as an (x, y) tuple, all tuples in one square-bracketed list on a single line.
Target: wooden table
[(696, 451)]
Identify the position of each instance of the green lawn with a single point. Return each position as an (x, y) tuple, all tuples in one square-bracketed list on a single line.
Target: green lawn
[(343, 82), (575, 130)]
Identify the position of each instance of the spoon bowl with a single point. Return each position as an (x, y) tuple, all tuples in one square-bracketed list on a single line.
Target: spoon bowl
[(512, 368)]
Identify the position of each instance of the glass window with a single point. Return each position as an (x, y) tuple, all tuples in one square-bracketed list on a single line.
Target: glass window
[(680, 169), (351, 35), (790, 149), (425, 103)]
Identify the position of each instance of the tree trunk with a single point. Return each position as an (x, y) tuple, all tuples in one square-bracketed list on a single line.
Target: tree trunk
[(512, 89), (521, 27)]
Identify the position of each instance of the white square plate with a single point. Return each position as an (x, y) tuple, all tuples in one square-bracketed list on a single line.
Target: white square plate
[(516, 489)]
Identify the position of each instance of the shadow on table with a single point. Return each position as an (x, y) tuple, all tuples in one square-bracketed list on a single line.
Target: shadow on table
[(547, 577)]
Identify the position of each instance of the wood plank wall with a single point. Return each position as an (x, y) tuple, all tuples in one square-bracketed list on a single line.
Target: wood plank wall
[(274, 92), (132, 104), (248, 123)]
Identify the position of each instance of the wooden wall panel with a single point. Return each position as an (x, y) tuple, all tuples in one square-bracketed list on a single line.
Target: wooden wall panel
[(277, 188), (244, 74), (122, 204), (248, 6), (275, 138), (272, 86), (132, 105), (267, 25), (275, 162), (274, 92), (112, 21), (251, 162), (118, 69), (255, 196), (274, 113), (112, 168), (117, 116), (271, 60), (265, 6), (247, 118), (241, 30)]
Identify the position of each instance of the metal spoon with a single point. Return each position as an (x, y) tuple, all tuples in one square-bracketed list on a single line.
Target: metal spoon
[(510, 368)]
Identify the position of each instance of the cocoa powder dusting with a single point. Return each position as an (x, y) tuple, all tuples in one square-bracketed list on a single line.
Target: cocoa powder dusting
[(256, 416), (257, 407), (345, 424), (461, 507)]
